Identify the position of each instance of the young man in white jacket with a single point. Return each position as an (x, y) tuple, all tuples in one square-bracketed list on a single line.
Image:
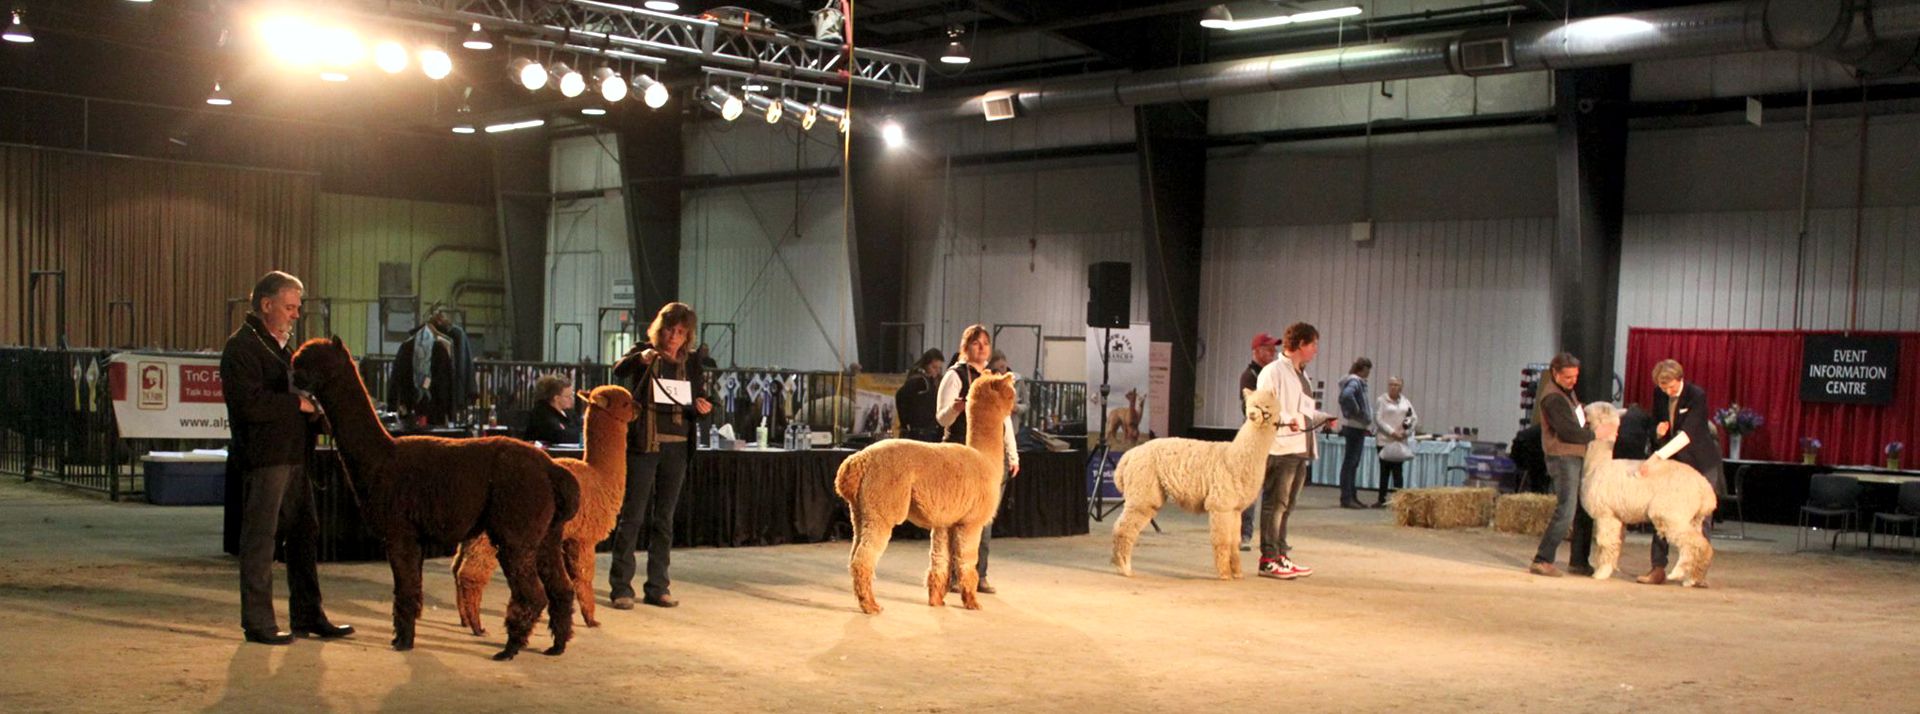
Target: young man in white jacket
[(1291, 455)]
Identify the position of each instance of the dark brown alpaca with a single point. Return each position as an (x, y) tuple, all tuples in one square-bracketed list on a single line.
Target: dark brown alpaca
[(418, 489)]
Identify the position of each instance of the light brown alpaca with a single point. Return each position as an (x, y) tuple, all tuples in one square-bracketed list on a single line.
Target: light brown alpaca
[(1674, 496), (952, 490), (603, 485)]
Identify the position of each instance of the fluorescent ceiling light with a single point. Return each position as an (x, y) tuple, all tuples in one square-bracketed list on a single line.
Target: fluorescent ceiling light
[(513, 126), (661, 5), (1218, 18)]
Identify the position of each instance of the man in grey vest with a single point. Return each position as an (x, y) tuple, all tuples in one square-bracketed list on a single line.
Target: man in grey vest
[(1564, 435)]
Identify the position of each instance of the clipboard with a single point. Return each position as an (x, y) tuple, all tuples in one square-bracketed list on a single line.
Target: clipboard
[(672, 392)]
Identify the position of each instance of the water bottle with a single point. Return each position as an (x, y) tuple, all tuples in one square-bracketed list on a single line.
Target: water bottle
[(806, 437), (786, 440), (760, 436)]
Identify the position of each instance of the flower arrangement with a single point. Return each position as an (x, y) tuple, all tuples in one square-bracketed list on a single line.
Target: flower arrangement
[(1809, 450), (1893, 454), (1737, 420)]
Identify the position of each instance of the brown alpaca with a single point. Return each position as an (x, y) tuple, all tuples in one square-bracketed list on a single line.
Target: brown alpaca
[(603, 484), (418, 489), (948, 489)]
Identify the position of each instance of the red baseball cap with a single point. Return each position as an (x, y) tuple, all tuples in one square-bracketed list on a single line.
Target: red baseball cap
[(1264, 340)]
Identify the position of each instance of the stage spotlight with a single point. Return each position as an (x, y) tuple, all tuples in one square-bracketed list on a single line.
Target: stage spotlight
[(528, 73), (764, 106), (571, 83), (722, 101), (333, 76), (956, 54), (840, 118), (661, 5), (613, 87), (893, 134), (339, 48), (219, 97), (651, 90), (17, 30), (390, 57), (477, 39), (435, 63), (799, 112)]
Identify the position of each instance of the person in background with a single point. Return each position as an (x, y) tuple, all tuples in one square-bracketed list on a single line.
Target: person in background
[(1684, 433), (976, 351), (1356, 419), (659, 445), (1292, 452), (997, 364), (1393, 423), (272, 436), (1265, 350), (463, 387), (551, 420), (915, 398), (1564, 436)]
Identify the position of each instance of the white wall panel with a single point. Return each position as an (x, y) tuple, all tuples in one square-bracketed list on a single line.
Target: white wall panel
[(772, 260), (1456, 308), (752, 146), (587, 248)]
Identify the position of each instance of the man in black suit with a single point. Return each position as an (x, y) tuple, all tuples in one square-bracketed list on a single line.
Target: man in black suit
[(269, 421), (1683, 433)]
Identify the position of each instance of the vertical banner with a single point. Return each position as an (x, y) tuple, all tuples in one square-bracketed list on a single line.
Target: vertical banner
[(1130, 395), (1159, 376), (167, 397), (873, 409)]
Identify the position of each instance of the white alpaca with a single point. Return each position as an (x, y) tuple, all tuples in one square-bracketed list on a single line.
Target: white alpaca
[(1674, 496), (1221, 479)]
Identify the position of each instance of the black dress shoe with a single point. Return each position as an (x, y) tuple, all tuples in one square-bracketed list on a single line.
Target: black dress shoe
[(325, 630), (269, 637), (1352, 504)]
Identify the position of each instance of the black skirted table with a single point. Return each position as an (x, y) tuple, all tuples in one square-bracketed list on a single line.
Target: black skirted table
[(1774, 491), (739, 498)]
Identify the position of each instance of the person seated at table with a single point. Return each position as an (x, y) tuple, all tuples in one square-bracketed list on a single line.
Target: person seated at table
[(552, 420)]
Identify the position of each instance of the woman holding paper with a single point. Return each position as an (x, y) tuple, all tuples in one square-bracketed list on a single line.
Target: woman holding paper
[(665, 376)]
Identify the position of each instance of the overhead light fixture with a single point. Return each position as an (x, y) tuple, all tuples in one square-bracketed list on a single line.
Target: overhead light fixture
[(477, 39), (219, 96), (1218, 18), (17, 30), (333, 76), (652, 91), (435, 62), (841, 119), (390, 57), (528, 73), (339, 48), (893, 134), (661, 5), (799, 112), (594, 111), (720, 100), (753, 85), (765, 106), (463, 129), (515, 126), (613, 87), (571, 83), (956, 52)]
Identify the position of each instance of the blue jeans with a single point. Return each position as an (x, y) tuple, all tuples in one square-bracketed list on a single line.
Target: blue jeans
[(1246, 520), (1566, 472)]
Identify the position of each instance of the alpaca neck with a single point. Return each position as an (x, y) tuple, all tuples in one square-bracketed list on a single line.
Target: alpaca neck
[(984, 432), (357, 432), (606, 447), (1598, 454)]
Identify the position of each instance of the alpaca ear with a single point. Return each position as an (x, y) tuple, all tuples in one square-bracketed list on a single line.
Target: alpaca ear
[(582, 395), (338, 343), (1244, 392)]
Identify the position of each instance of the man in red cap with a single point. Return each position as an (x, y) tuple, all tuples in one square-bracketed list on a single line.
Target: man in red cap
[(1265, 349)]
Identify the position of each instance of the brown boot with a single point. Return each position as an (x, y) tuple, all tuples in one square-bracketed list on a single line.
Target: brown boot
[(1547, 569), (1656, 576)]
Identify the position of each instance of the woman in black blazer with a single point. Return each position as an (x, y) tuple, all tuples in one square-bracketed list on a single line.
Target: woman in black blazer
[(1682, 431)]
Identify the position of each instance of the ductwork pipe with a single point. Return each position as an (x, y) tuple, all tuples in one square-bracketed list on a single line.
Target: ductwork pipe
[(1876, 35)]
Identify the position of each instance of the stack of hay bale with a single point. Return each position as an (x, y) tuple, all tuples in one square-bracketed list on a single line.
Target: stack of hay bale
[(1525, 513), (1443, 507)]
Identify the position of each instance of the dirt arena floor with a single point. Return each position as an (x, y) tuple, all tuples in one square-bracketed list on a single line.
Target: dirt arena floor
[(130, 607)]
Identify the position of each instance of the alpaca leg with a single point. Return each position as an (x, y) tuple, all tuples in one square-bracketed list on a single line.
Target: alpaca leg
[(403, 556), (579, 554), (472, 568), (1696, 552), (1606, 536), (1126, 533), (938, 569), (869, 541), (559, 590), (1226, 537), (969, 537), (520, 562)]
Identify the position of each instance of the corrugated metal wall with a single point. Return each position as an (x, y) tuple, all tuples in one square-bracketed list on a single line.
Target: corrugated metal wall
[(444, 245), (772, 260), (587, 251), (1456, 308)]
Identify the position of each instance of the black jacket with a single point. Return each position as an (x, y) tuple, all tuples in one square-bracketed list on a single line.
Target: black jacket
[(552, 426), (1690, 416), (915, 401), (263, 413), (635, 374)]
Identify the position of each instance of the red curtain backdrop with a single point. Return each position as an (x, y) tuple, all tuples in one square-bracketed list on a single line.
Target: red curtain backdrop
[(1760, 370)]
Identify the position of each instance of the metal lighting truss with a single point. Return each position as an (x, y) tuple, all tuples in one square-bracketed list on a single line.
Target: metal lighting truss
[(574, 23)]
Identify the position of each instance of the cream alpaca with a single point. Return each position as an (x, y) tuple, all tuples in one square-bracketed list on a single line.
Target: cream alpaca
[(1220, 479), (949, 489), (1674, 496), (603, 485)]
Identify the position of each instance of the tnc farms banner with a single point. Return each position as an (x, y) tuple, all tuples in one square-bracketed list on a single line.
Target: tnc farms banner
[(1849, 370), (165, 397)]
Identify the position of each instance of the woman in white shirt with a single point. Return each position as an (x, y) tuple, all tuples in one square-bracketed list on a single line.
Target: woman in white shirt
[(1393, 422), (976, 346)]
